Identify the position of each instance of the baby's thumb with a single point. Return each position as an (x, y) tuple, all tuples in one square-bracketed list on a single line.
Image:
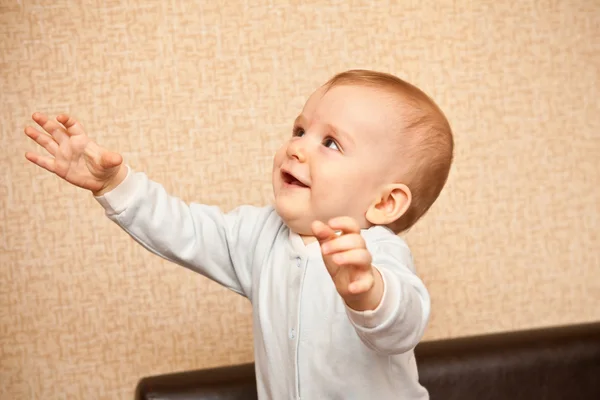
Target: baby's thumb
[(321, 231), (110, 160)]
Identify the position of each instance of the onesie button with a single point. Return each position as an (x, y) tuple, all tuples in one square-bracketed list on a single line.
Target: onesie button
[(292, 333), (298, 262)]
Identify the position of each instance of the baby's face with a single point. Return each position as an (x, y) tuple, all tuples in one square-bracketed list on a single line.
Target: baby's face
[(337, 158)]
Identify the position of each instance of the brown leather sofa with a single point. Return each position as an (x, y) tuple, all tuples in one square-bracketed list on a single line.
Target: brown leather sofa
[(556, 363)]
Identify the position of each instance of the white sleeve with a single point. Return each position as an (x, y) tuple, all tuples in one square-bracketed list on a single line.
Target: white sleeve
[(398, 323), (220, 246)]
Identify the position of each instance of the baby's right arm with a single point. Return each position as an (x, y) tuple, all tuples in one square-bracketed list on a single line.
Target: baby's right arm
[(202, 238), (218, 245)]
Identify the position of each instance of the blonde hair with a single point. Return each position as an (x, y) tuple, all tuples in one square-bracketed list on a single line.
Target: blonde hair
[(427, 140)]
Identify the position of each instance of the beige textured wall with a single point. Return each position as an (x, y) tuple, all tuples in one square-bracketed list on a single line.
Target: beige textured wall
[(200, 94)]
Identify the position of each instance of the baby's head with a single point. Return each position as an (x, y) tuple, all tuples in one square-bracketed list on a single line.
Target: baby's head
[(366, 145)]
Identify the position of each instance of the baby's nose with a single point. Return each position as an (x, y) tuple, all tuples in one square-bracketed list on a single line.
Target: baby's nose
[(297, 150)]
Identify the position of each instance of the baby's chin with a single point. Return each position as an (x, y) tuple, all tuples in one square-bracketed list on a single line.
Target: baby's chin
[(298, 221)]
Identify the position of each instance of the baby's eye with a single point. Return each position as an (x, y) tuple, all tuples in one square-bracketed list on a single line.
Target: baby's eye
[(331, 144), (299, 132)]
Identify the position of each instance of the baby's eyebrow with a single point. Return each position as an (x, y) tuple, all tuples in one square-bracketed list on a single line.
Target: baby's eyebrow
[(300, 120), (339, 133), (335, 131)]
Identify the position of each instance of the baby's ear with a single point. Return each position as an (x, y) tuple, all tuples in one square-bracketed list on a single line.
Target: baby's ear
[(391, 203)]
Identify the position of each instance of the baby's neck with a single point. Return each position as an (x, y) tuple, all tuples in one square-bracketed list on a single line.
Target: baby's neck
[(308, 239)]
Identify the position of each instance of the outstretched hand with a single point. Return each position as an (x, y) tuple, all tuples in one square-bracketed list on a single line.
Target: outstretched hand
[(348, 261), (73, 156)]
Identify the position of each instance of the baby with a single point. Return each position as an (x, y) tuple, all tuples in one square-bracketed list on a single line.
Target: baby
[(337, 305)]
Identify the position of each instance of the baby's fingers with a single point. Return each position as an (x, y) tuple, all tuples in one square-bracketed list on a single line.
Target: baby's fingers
[(44, 140), (344, 224), (42, 161), (343, 243), (73, 126), (362, 285), (359, 258), (43, 121), (322, 231)]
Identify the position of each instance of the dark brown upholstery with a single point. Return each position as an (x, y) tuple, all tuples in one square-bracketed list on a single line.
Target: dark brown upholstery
[(559, 363)]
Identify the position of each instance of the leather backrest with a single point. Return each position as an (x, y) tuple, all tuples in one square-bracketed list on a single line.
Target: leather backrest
[(553, 363)]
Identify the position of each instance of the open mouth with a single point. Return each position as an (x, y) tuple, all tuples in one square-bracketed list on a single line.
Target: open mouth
[(291, 180)]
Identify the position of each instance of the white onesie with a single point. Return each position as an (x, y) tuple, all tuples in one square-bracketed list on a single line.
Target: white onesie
[(308, 344)]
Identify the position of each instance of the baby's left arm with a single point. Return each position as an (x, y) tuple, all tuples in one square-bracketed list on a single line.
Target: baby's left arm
[(385, 300)]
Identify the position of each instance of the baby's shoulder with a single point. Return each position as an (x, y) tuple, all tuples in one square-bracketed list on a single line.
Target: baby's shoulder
[(380, 235), (385, 244)]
